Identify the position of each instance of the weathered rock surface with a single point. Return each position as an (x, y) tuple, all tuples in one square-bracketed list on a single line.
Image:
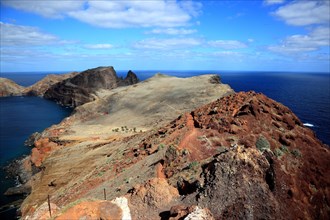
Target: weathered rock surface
[(242, 156), (80, 89), (18, 190), (40, 87), (9, 88)]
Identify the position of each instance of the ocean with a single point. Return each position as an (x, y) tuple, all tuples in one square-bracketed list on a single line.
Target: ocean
[(19, 118), (306, 94)]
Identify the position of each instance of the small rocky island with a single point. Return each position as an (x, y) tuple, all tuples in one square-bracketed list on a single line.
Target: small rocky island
[(173, 148)]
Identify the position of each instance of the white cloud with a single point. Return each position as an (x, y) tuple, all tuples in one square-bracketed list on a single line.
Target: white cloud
[(49, 8), (18, 35), (167, 44), (172, 31), (114, 14), (227, 54), (301, 13), (273, 2), (119, 14), (316, 39), (98, 46), (227, 44)]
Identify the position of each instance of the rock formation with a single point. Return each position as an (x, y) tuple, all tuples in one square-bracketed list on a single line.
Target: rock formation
[(177, 149), (80, 89), (9, 88), (40, 87)]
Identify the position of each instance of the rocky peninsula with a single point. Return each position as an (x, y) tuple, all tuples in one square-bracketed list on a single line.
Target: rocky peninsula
[(173, 148)]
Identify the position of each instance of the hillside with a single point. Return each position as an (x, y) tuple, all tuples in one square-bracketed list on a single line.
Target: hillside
[(9, 88), (40, 87)]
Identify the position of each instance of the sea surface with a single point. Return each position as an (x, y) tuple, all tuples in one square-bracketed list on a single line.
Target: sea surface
[(19, 118), (306, 94)]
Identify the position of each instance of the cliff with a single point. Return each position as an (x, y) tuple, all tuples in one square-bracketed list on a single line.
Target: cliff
[(80, 89), (174, 148), (9, 88), (40, 87)]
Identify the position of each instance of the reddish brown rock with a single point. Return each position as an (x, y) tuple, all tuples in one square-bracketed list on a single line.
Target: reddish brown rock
[(43, 147), (92, 210), (180, 211), (156, 193), (247, 156)]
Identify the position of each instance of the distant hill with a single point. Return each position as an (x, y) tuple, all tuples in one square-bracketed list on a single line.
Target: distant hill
[(10, 88)]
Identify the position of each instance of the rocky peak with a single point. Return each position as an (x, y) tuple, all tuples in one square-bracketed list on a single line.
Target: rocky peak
[(131, 78)]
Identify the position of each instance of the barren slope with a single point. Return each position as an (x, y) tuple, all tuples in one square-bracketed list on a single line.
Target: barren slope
[(84, 154)]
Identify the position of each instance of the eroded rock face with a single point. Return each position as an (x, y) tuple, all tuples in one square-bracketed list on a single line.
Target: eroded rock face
[(9, 88), (78, 90)]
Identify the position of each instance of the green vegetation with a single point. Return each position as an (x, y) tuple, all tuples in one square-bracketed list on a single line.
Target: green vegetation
[(284, 149), (101, 173), (278, 152), (262, 144), (125, 129), (161, 147), (296, 153), (193, 165)]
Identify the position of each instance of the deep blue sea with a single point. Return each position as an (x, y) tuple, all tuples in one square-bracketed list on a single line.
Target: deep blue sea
[(306, 94)]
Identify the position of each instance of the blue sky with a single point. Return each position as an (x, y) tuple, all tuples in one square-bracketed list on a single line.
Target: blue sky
[(63, 35)]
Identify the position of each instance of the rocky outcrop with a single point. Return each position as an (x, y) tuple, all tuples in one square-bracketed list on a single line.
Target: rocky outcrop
[(9, 88), (246, 156), (81, 88), (40, 87)]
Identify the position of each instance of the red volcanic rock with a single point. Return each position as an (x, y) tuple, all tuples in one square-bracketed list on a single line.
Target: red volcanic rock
[(156, 193), (246, 156), (93, 210), (42, 148)]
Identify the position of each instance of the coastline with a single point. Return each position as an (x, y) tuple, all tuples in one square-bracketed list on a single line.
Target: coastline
[(83, 116)]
